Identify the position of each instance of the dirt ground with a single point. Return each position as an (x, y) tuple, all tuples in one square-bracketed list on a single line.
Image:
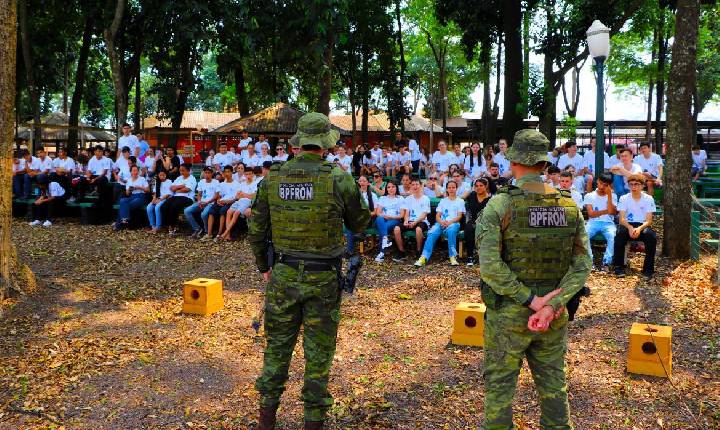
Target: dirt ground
[(102, 343)]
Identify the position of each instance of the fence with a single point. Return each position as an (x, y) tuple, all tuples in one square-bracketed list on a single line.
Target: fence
[(705, 230)]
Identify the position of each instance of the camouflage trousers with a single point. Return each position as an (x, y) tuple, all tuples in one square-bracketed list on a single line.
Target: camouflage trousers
[(507, 341), (296, 298)]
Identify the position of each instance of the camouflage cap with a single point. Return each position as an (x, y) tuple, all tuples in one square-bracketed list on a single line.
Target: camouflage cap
[(314, 128), (529, 148)]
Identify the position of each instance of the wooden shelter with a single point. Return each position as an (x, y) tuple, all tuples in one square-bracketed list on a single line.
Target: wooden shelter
[(54, 128), (379, 129)]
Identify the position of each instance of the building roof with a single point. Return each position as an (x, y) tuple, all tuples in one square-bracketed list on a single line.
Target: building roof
[(55, 127), (381, 122), (453, 122), (279, 118), (194, 120)]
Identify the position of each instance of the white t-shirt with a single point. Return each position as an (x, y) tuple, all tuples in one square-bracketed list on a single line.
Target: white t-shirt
[(430, 192), (479, 166), (636, 210), (391, 206), (207, 189), (417, 207), (368, 161), (96, 166), (149, 164), (699, 160), (56, 190), (577, 197), (281, 158), (223, 160), (264, 158), (634, 169), (165, 188), (552, 158), (20, 166), (209, 160), (68, 164), (330, 158), (246, 188), (614, 160), (244, 142), (502, 162), (139, 182), (345, 161), (190, 182), (589, 161), (449, 209), (43, 166), (599, 203), (650, 165), (259, 145), (414, 148), (122, 165), (373, 197), (131, 141), (459, 159), (403, 159), (442, 162), (376, 153), (577, 162), (228, 190), (251, 161)]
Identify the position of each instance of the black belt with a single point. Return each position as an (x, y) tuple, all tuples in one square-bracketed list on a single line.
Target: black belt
[(309, 264)]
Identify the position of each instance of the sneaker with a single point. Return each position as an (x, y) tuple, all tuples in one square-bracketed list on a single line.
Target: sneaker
[(117, 226), (619, 272), (470, 261), (36, 222), (380, 257), (195, 234), (399, 256), (453, 261), (47, 223), (605, 268), (422, 261), (386, 242), (206, 238)]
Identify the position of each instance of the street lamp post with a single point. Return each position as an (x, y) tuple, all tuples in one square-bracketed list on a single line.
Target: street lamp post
[(598, 40)]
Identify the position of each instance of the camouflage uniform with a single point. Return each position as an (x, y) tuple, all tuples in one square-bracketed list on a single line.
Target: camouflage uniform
[(531, 240), (302, 205)]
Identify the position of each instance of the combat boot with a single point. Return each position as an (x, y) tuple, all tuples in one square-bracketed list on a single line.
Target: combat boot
[(314, 425), (267, 418)]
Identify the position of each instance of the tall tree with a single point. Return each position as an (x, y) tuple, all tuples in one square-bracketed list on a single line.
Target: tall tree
[(73, 119), (682, 81), (513, 106), (117, 58)]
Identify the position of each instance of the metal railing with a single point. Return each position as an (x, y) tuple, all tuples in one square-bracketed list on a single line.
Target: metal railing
[(705, 230)]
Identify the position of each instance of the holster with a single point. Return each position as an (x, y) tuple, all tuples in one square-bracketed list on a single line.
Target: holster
[(574, 303)]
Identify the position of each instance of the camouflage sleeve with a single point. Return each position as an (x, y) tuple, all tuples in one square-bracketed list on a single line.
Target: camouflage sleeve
[(579, 269), (259, 226), (494, 271), (356, 214)]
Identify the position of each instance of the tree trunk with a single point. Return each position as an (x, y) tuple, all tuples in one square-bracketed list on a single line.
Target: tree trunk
[(33, 89), (651, 88), (660, 103), (325, 75), (403, 63), (547, 117), (116, 61), (526, 59), (512, 24), (365, 88), (73, 120), (138, 94), (486, 63), (682, 81), (240, 94), (13, 275)]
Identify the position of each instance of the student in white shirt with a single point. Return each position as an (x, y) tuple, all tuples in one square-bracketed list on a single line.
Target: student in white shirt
[(475, 163), (209, 158), (699, 157), (281, 154), (636, 217), (415, 155), (566, 183), (432, 188), (459, 156), (405, 189), (52, 198), (246, 192), (148, 165), (183, 189), (62, 169), (342, 160), (652, 167), (601, 206), (226, 192), (447, 221), (442, 158), (571, 158), (501, 160), (250, 157), (128, 140), (134, 198), (222, 158), (40, 167), (403, 162), (417, 208), (246, 139), (264, 155), (389, 214), (96, 174), (366, 163), (160, 195), (18, 169), (262, 143), (371, 200), (623, 170), (206, 194), (589, 165), (121, 173), (464, 188), (376, 152)]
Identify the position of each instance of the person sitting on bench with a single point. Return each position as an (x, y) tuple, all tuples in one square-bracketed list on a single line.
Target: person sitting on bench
[(636, 216), (52, 198)]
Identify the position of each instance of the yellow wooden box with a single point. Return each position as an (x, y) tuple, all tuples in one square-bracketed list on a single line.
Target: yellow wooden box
[(469, 324), (650, 350), (202, 296)]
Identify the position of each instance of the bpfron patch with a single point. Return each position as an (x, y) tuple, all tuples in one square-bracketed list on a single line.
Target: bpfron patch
[(299, 191), (546, 216)]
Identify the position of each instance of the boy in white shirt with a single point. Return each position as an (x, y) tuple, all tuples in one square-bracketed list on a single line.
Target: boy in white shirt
[(222, 158), (96, 174), (52, 198), (21, 175), (128, 140), (623, 170), (415, 155), (636, 216), (601, 206), (448, 215), (246, 192), (246, 139), (417, 208), (63, 167), (652, 167), (566, 183), (225, 197), (250, 157), (501, 160), (699, 157), (206, 195), (403, 162), (442, 158), (40, 167), (264, 155), (589, 165), (262, 142), (342, 160), (376, 152)]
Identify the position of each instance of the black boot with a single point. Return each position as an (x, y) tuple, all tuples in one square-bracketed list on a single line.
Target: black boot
[(314, 425), (267, 418)]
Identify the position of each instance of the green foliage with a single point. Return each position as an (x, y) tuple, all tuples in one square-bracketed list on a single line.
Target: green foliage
[(569, 126)]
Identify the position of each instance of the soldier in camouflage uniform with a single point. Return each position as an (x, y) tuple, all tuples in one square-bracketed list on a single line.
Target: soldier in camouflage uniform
[(531, 242), (302, 205)]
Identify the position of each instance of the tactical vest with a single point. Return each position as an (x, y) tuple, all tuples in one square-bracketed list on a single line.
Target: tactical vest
[(306, 219), (537, 244)]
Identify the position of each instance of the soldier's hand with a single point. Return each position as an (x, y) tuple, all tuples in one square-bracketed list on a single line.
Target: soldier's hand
[(540, 302), (266, 275), (540, 320)]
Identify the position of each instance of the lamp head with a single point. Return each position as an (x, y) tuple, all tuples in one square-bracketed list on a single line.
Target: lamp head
[(598, 40)]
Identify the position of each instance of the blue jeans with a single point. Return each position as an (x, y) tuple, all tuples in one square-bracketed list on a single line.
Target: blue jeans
[(434, 234), (349, 240), (608, 230), (384, 226), (18, 184), (154, 215), (191, 213), (128, 203), (619, 185)]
